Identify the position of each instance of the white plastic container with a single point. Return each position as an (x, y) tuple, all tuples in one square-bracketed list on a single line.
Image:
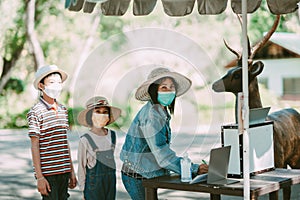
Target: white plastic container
[(186, 173)]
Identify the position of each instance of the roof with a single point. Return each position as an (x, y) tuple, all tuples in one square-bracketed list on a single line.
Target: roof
[(178, 7), (290, 41)]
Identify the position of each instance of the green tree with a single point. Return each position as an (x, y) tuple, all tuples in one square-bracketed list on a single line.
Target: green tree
[(261, 21), (12, 46)]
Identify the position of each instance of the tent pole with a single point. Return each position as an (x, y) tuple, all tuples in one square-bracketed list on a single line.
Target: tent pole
[(245, 109)]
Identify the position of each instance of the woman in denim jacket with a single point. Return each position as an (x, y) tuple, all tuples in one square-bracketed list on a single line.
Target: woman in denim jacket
[(146, 152)]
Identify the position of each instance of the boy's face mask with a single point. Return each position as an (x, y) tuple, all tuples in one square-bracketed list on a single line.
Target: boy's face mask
[(53, 86)]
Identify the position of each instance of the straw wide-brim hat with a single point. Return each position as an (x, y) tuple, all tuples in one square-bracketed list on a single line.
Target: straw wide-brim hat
[(42, 72), (94, 102), (183, 84)]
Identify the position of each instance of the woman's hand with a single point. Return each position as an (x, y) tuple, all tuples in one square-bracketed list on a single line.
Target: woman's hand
[(43, 186), (203, 168)]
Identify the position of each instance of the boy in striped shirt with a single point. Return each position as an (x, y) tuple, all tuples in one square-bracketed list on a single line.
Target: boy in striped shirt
[(48, 126)]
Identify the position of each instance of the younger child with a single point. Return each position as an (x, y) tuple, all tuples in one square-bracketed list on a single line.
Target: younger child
[(96, 164)]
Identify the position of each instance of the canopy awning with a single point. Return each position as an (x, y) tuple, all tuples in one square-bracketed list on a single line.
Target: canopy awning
[(178, 7)]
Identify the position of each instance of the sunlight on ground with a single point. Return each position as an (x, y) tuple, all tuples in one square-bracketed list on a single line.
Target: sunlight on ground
[(8, 162)]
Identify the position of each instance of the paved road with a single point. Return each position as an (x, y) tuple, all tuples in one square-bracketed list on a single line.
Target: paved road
[(17, 182)]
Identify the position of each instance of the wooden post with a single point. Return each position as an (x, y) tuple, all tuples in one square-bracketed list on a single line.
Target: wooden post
[(215, 197)]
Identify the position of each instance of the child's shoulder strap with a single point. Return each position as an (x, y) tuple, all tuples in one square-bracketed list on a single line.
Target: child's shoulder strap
[(91, 141), (113, 137)]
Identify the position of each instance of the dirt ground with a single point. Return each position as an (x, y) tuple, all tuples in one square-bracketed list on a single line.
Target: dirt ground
[(17, 181)]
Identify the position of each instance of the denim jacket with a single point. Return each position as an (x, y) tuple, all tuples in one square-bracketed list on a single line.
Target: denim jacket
[(147, 145)]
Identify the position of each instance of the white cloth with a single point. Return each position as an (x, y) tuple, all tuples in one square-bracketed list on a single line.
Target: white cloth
[(86, 155)]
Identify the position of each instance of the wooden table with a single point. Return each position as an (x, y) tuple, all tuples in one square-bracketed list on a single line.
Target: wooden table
[(291, 174), (266, 183)]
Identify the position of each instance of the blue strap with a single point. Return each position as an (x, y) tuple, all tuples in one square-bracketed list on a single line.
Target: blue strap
[(113, 137), (91, 141), (93, 144)]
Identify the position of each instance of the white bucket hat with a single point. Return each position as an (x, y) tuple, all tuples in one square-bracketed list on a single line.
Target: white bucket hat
[(182, 83), (94, 102), (42, 72)]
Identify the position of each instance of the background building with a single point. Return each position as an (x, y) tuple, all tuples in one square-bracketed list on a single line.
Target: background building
[(281, 58)]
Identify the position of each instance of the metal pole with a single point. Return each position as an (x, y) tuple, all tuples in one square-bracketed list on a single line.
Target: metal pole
[(245, 109)]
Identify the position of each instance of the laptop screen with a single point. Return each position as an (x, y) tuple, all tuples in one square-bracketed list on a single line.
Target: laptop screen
[(218, 164), (258, 115), (217, 168)]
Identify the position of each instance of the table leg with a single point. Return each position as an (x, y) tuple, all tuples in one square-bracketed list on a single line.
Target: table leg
[(287, 193), (273, 195), (215, 197), (151, 193)]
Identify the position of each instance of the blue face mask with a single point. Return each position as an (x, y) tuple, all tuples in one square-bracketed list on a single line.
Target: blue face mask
[(165, 98)]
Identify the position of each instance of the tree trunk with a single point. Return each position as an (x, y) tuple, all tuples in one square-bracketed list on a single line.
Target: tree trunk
[(31, 35), (8, 65), (6, 72)]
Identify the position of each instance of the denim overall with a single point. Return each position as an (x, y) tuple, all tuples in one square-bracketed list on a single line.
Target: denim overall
[(101, 179)]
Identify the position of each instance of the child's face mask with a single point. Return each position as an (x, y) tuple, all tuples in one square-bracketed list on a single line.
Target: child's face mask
[(53, 90), (100, 120), (53, 86)]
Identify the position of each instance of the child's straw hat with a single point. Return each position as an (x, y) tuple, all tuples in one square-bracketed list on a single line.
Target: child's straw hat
[(96, 102), (42, 72)]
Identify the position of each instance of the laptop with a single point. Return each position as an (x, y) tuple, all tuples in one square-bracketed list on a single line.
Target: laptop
[(217, 168), (258, 115)]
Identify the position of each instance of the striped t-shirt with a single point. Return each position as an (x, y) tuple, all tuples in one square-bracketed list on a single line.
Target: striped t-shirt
[(51, 126)]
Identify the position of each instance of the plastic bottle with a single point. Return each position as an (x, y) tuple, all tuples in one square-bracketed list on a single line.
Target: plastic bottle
[(186, 174)]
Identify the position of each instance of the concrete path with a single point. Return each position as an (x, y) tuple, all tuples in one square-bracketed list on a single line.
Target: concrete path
[(17, 181)]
